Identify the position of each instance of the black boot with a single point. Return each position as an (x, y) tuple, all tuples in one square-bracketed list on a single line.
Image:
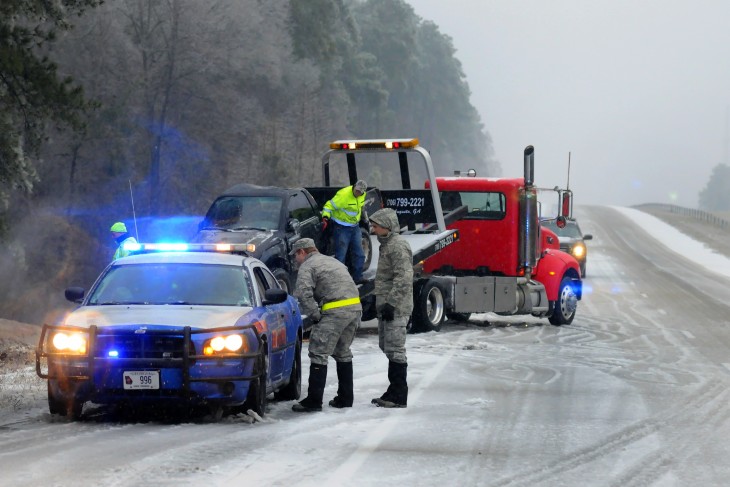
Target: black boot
[(397, 394), (344, 396), (389, 392), (313, 401)]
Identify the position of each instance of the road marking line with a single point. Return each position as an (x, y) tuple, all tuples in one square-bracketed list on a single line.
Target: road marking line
[(688, 334), (370, 444), (727, 366)]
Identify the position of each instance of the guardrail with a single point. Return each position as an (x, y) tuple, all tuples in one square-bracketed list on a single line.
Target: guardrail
[(691, 212)]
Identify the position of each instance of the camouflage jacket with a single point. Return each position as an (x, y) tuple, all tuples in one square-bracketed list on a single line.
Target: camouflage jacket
[(394, 277), (323, 279)]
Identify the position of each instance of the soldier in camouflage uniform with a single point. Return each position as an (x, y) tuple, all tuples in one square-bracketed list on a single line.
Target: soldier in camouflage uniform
[(394, 302), (327, 294)]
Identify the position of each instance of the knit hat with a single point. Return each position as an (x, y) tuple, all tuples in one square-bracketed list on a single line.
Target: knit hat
[(118, 227), (361, 186)]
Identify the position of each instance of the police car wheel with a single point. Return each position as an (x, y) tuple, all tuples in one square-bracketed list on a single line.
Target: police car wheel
[(256, 399), (69, 407), (293, 389)]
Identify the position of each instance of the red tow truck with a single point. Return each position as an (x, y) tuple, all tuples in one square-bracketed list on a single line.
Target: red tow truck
[(477, 242), (504, 261)]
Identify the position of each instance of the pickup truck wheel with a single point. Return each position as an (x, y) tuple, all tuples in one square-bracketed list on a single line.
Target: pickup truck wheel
[(284, 281), (428, 311), (256, 399), (367, 249), (293, 389), (564, 307)]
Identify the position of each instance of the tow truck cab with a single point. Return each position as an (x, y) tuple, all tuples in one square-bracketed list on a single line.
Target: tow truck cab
[(503, 262)]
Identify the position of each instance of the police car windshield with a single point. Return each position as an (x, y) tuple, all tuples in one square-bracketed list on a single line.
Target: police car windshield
[(173, 284), (242, 212)]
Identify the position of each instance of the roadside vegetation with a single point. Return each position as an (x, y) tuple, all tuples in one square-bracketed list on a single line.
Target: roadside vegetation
[(166, 104), (20, 387)]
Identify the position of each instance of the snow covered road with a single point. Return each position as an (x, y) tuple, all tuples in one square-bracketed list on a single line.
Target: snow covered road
[(634, 392)]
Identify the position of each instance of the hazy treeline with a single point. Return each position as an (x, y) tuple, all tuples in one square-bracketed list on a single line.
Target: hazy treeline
[(716, 194), (190, 97)]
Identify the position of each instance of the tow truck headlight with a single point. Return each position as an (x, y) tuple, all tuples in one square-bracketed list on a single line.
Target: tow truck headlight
[(69, 342), (225, 344), (579, 250)]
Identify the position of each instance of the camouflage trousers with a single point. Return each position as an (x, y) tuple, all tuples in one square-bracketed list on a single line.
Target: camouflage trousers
[(392, 338), (333, 335)]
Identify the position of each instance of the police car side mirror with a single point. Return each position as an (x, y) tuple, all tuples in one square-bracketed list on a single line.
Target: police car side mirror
[(588, 236), (75, 294), (274, 296)]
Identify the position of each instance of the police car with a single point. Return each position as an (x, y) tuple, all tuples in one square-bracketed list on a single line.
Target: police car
[(177, 325)]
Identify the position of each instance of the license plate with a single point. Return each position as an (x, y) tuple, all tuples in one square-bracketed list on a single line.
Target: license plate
[(141, 379)]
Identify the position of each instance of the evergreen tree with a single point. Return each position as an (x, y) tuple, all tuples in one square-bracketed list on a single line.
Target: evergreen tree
[(716, 195), (32, 92)]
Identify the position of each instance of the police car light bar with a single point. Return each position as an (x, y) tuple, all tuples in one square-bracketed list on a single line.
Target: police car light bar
[(374, 144), (186, 247)]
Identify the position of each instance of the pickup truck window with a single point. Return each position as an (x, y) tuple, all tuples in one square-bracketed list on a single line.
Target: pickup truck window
[(300, 208), (239, 212)]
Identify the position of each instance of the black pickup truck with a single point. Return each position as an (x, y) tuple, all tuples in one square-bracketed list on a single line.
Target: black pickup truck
[(270, 219)]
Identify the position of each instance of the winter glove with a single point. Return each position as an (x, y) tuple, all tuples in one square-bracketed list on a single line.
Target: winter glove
[(388, 312), (325, 223)]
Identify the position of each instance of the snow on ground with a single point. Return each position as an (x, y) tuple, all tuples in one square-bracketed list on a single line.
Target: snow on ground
[(615, 399), (680, 243)]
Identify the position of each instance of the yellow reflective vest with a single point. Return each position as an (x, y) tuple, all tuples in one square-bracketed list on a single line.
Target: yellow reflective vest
[(121, 251), (345, 208)]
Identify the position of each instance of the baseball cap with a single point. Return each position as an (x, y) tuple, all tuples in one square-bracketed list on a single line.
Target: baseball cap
[(302, 243)]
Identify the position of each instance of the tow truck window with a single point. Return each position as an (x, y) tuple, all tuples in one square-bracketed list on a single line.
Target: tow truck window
[(480, 205)]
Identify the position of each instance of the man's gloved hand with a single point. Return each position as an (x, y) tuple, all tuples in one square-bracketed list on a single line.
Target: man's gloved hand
[(325, 223), (388, 312)]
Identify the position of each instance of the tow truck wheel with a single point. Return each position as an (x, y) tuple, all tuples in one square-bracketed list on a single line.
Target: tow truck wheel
[(566, 304), (283, 278), (256, 399), (428, 311), (293, 389)]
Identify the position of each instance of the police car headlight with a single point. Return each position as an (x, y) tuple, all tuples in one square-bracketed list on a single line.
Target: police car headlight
[(225, 344), (579, 250), (69, 342)]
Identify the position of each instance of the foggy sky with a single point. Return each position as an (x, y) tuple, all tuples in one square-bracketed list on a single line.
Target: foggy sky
[(638, 91)]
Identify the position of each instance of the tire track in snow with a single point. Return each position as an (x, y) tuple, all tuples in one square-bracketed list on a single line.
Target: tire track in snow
[(370, 444), (689, 412)]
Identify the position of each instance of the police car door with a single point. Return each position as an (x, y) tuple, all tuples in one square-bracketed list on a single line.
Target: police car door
[(275, 317)]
